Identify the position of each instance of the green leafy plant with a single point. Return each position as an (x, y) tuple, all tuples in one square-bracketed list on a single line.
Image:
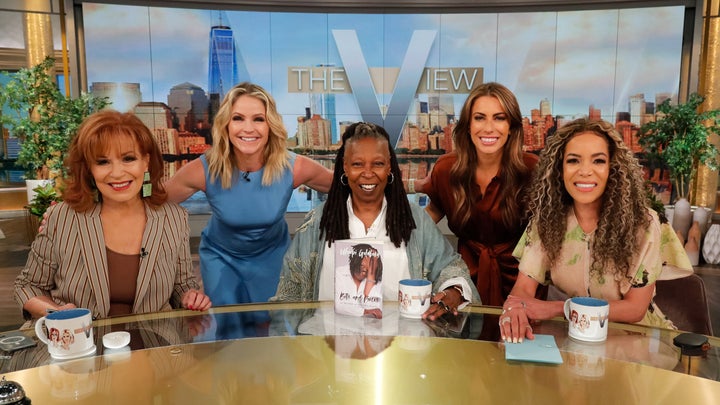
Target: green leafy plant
[(43, 118), (655, 203), (45, 196), (679, 139)]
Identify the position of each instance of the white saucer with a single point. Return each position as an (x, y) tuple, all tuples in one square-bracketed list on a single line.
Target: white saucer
[(74, 355), (116, 340)]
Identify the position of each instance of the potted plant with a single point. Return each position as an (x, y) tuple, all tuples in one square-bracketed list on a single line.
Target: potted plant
[(43, 118), (679, 139), (45, 196)]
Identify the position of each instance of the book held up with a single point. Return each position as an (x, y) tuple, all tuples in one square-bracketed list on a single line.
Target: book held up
[(358, 277)]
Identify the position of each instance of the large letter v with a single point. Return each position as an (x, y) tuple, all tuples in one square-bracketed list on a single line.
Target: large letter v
[(403, 95)]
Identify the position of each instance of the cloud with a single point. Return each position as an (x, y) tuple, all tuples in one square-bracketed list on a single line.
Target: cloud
[(573, 58)]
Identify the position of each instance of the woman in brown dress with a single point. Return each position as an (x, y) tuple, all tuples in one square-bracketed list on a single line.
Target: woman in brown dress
[(480, 188)]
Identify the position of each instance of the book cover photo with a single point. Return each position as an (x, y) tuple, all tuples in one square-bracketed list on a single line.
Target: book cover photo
[(358, 277)]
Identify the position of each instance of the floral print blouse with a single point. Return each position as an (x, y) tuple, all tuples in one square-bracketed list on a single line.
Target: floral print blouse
[(660, 256)]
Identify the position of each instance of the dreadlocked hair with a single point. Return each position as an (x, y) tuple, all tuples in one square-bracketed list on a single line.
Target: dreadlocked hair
[(624, 213), (334, 223)]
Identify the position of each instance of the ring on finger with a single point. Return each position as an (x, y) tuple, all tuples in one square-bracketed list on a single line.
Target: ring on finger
[(504, 320), (443, 305)]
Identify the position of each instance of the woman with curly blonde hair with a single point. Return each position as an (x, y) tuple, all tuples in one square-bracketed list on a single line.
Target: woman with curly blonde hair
[(592, 232), (248, 177)]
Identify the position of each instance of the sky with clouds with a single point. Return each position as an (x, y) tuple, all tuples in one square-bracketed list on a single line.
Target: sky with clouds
[(574, 59)]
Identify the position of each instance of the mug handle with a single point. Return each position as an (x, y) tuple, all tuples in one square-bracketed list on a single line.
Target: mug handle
[(40, 331), (566, 309)]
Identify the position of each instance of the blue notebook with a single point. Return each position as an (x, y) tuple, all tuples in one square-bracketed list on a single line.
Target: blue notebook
[(542, 349)]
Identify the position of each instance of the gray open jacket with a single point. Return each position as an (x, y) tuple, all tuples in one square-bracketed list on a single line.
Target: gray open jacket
[(430, 256)]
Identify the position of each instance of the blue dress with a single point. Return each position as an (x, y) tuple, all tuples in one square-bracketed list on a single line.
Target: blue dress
[(242, 247)]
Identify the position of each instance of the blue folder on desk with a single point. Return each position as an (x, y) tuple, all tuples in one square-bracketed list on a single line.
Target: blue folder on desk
[(542, 349)]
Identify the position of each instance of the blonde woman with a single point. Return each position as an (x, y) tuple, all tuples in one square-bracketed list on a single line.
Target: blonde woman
[(248, 177)]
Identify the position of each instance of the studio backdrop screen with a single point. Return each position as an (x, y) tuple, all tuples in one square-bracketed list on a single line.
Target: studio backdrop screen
[(407, 72)]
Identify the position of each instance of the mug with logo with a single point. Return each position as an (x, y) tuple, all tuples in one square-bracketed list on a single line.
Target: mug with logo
[(588, 318), (414, 297), (68, 334)]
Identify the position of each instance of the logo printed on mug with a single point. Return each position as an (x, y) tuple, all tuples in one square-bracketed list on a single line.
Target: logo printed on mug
[(414, 297), (68, 334), (587, 318)]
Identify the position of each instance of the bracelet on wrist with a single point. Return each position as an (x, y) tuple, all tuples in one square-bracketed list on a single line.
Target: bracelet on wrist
[(459, 289)]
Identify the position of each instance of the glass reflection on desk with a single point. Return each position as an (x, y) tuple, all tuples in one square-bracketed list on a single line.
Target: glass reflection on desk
[(305, 353)]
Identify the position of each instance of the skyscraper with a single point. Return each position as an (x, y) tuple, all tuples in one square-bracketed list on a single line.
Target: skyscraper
[(226, 65), (223, 69), (323, 104), (637, 108), (189, 104), (545, 107)]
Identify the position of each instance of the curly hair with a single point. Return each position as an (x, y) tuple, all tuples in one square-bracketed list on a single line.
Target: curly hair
[(399, 222), (221, 161), (515, 174), (624, 207), (99, 133)]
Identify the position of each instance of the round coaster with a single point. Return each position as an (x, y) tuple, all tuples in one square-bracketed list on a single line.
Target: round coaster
[(116, 340)]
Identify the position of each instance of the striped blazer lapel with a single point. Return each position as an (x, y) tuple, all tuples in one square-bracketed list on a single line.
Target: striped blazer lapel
[(92, 245), (151, 244)]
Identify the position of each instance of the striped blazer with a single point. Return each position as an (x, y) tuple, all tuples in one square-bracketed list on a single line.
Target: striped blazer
[(68, 261)]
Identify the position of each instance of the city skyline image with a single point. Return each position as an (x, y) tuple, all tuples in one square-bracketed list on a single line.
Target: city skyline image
[(539, 55), (391, 68)]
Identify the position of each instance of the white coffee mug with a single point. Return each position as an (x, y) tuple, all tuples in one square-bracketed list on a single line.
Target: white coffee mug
[(414, 297), (68, 333), (588, 318)]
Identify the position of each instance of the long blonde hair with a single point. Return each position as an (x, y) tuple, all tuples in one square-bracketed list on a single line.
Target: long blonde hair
[(275, 156)]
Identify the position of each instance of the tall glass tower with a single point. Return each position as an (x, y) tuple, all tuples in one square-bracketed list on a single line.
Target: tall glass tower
[(323, 104), (222, 72), (226, 64)]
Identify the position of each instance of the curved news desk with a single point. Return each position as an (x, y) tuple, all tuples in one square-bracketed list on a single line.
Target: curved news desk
[(305, 354)]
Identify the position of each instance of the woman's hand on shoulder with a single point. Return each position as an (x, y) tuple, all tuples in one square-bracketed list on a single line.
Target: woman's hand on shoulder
[(44, 218), (196, 301)]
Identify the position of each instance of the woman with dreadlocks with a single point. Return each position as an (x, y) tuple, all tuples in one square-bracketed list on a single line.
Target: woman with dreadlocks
[(367, 200), (592, 233)]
